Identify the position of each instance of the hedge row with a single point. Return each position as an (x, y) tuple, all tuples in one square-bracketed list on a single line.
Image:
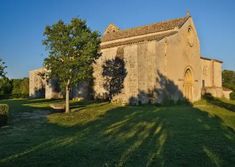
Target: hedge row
[(232, 96), (12, 96), (3, 114)]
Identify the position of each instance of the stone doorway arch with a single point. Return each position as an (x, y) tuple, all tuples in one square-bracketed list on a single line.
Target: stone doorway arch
[(188, 84)]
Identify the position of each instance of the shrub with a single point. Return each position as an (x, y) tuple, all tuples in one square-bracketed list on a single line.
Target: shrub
[(208, 96), (3, 114), (232, 96)]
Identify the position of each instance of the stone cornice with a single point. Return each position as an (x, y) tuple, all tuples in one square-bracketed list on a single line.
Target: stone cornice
[(205, 58)]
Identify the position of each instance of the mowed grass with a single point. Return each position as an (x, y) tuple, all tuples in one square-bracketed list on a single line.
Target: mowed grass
[(103, 134)]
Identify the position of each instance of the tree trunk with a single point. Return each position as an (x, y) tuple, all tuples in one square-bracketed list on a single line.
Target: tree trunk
[(67, 108)]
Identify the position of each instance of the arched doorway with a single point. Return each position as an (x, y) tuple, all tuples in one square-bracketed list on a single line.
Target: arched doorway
[(188, 84)]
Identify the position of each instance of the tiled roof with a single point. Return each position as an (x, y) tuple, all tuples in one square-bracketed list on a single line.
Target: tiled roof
[(156, 37), (142, 30)]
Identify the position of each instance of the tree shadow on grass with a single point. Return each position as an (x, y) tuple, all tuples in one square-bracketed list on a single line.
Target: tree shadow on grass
[(218, 102), (32, 105), (129, 136), (28, 105)]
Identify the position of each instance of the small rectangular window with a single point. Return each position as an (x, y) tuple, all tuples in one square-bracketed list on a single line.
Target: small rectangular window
[(203, 83)]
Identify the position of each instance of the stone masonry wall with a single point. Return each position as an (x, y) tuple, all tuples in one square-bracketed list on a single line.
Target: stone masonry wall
[(36, 83)]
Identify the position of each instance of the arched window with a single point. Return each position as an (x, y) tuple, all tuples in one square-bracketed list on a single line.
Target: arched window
[(190, 36), (188, 84)]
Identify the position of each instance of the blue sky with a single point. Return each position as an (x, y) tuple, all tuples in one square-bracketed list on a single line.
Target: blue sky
[(22, 23)]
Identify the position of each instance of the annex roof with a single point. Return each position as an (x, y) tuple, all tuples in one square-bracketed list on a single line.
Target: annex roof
[(209, 59)]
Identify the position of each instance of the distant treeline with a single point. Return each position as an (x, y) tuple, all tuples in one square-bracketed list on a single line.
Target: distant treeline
[(229, 81), (14, 88)]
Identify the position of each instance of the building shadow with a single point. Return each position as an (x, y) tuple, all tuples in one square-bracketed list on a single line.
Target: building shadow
[(39, 92), (165, 93), (165, 90), (114, 73)]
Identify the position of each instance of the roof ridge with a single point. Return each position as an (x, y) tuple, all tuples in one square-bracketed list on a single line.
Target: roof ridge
[(151, 24), (146, 29)]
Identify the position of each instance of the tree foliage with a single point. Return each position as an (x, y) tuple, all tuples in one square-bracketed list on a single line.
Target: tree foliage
[(13, 88), (72, 49), (114, 72), (232, 96), (229, 79), (5, 86), (20, 87), (2, 68)]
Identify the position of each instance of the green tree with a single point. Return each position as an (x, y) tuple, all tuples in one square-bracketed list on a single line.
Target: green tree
[(2, 68), (25, 87), (5, 87), (229, 79), (20, 87), (72, 49)]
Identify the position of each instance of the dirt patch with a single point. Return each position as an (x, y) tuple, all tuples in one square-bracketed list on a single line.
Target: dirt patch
[(37, 114)]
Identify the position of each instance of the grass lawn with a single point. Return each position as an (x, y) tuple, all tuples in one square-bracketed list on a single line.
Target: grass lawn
[(102, 134)]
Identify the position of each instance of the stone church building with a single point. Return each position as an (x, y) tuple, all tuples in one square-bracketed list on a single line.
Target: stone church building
[(162, 60)]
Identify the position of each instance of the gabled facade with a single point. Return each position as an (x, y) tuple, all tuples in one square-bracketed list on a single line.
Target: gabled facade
[(163, 62)]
